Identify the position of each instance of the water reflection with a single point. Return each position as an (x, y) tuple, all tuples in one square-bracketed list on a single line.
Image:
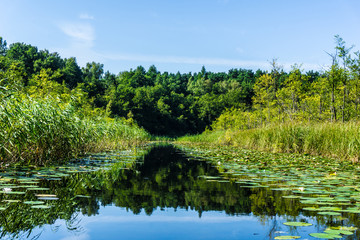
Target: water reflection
[(158, 187), (166, 179)]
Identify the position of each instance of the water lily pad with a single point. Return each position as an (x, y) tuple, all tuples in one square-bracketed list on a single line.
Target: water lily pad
[(38, 189), (345, 228), (325, 235), (48, 198), (287, 237), (11, 200), (333, 231), (83, 196), (297, 224), (45, 195), (41, 206), (33, 202), (292, 196), (311, 209), (12, 192), (330, 213)]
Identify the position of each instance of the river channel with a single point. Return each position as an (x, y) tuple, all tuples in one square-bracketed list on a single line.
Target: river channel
[(158, 192)]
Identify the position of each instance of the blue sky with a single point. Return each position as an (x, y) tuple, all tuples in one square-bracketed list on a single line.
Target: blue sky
[(184, 35)]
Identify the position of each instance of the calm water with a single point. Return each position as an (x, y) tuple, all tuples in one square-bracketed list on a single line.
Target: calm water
[(160, 195)]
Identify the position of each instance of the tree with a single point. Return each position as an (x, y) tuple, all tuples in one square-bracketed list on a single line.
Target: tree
[(264, 95), (334, 76), (290, 94), (48, 60), (344, 54), (3, 47), (12, 75), (25, 53), (94, 84), (355, 93), (72, 73)]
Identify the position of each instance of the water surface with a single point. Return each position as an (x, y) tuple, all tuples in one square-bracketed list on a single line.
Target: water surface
[(159, 193)]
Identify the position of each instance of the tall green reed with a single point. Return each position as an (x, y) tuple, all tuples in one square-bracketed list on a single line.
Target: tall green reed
[(41, 130), (341, 140)]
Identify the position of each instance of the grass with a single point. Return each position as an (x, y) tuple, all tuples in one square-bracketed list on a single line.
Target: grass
[(41, 131), (205, 137), (341, 140)]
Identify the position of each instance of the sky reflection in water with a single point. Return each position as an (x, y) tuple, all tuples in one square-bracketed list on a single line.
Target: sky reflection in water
[(117, 223)]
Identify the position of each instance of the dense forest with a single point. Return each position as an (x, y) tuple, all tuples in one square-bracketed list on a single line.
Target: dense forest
[(182, 103), (162, 103)]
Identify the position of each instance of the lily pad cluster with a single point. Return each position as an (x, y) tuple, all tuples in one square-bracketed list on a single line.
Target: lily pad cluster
[(22, 185), (328, 188)]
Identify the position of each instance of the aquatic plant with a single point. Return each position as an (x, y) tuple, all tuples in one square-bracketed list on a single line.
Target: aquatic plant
[(341, 140), (41, 130)]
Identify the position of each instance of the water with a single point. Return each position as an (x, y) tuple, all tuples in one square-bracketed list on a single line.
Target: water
[(161, 195)]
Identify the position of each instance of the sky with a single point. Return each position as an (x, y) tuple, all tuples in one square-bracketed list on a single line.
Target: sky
[(184, 35)]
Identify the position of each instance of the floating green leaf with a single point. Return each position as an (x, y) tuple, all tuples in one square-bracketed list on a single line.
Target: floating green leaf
[(330, 213), (12, 192), (325, 235), (41, 206), (333, 231), (287, 237), (33, 202), (297, 224), (11, 200), (38, 189)]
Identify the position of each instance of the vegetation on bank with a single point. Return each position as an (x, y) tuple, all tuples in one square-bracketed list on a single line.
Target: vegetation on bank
[(38, 131), (297, 113), (45, 98), (340, 140), (43, 119)]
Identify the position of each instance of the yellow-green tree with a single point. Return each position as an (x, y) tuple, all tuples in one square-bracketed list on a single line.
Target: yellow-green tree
[(265, 97), (290, 95)]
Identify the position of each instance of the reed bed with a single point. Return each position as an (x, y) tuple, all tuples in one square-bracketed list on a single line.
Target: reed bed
[(340, 140), (39, 131)]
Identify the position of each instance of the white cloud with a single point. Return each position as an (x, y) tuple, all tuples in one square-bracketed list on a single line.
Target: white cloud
[(81, 37), (186, 60), (230, 63), (86, 16), (82, 33)]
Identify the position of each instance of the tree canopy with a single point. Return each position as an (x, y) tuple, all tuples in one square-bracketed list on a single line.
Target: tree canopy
[(185, 103)]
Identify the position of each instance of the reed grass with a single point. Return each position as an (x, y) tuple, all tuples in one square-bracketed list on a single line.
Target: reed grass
[(205, 137), (340, 140), (39, 131)]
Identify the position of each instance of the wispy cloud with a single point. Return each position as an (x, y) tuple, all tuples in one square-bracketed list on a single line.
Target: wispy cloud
[(186, 60), (82, 33), (229, 63), (86, 16), (81, 41)]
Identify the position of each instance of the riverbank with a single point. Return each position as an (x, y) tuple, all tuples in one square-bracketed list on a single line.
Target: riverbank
[(36, 131), (337, 140)]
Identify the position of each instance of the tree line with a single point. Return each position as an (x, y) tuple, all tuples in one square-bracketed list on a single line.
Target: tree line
[(180, 103), (332, 95)]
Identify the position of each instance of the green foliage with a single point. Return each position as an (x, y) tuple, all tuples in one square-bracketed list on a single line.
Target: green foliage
[(3, 47), (178, 104), (39, 131), (326, 139), (300, 112)]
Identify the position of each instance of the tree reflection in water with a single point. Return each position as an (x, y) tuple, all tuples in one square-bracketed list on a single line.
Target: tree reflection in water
[(162, 178)]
